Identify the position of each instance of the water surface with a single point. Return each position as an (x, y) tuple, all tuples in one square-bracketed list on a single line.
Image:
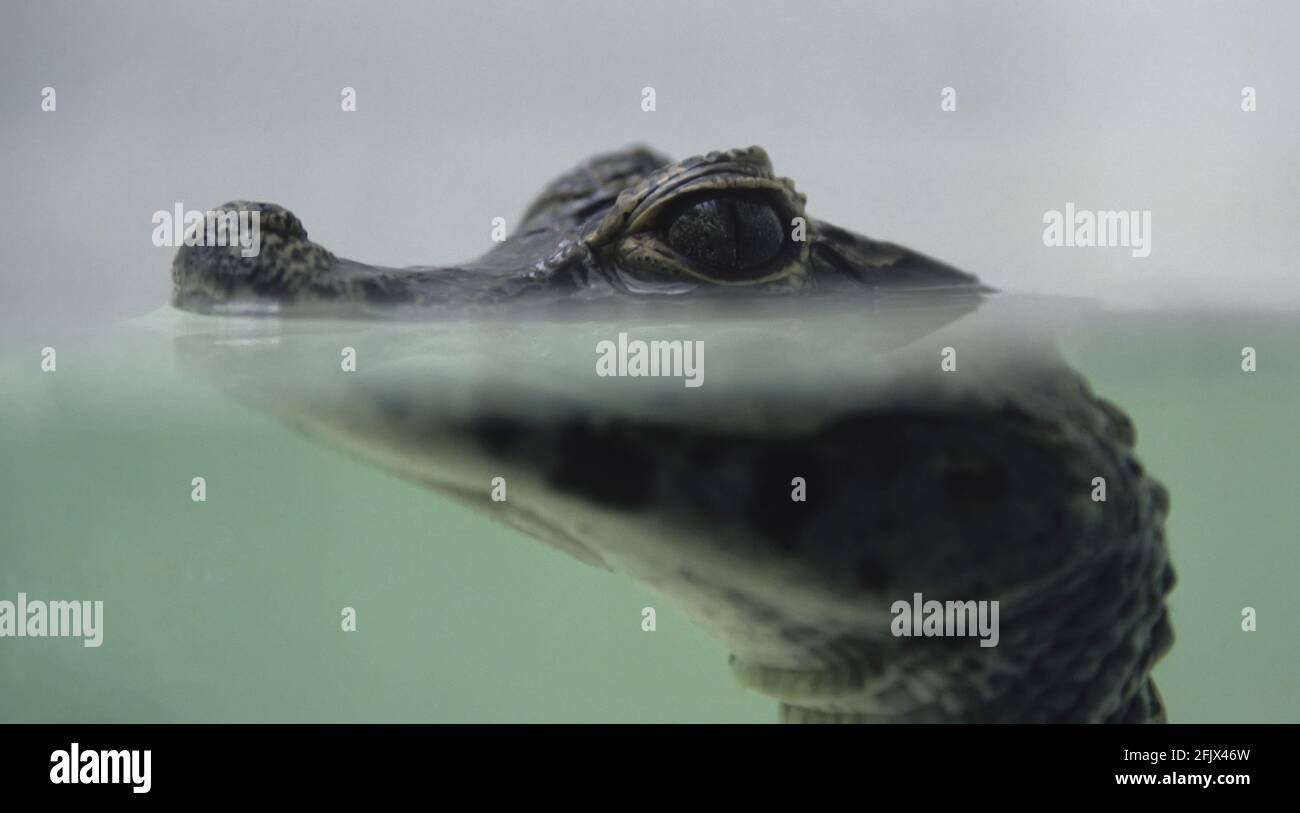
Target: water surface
[(229, 610)]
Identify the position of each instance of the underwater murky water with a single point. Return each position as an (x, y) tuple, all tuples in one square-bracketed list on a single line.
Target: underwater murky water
[(229, 609)]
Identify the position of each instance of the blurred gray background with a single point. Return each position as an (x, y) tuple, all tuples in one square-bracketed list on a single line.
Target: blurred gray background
[(465, 109)]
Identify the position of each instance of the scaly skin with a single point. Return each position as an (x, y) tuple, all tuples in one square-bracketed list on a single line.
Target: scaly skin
[(594, 234)]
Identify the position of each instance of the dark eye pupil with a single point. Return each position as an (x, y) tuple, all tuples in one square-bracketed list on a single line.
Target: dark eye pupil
[(727, 235)]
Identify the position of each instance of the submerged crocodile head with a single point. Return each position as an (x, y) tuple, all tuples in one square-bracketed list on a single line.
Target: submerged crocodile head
[(630, 223), (820, 478)]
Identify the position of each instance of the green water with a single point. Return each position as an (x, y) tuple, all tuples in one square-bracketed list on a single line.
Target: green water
[(229, 610), (1227, 445)]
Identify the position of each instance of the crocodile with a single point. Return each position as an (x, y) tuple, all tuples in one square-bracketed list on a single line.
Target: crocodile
[(787, 521)]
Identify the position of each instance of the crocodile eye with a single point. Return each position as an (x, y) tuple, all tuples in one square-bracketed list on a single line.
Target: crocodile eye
[(732, 238)]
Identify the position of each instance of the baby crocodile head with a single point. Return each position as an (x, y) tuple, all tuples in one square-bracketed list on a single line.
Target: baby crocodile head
[(626, 224), (789, 506)]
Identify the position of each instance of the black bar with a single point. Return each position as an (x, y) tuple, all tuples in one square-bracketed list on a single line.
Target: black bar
[(241, 762)]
